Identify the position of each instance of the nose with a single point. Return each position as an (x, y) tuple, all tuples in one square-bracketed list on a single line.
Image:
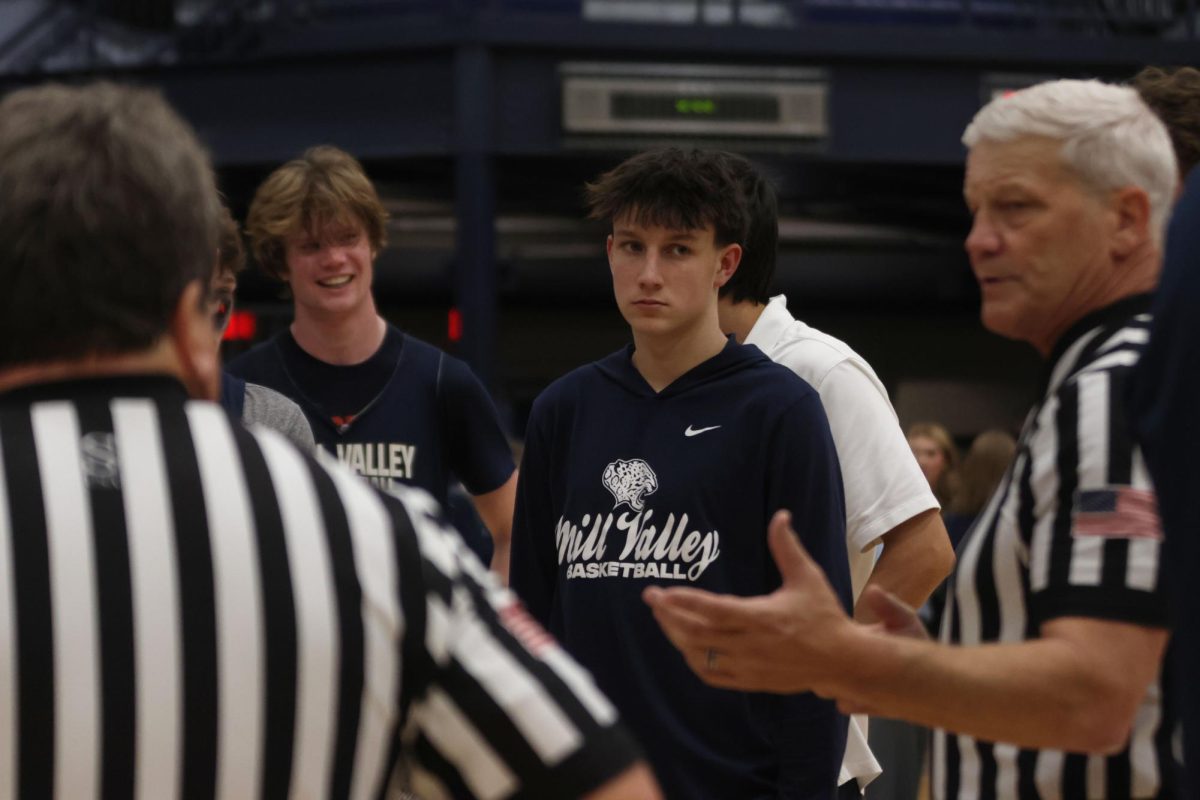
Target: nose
[(983, 238), (332, 255), (649, 276)]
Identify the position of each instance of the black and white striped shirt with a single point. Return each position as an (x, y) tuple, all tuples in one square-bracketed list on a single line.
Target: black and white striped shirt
[(192, 610), (1072, 530)]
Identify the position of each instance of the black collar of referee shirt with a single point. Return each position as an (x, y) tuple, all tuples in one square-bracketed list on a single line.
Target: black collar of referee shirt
[(161, 386), (1119, 311)]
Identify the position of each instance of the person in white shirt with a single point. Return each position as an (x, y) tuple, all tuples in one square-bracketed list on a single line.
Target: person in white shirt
[(888, 500)]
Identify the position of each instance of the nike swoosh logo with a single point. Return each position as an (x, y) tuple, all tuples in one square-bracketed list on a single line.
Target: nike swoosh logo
[(698, 431)]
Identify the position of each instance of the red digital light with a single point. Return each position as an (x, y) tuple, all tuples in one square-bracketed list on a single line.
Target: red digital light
[(454, 325), (243, 325)]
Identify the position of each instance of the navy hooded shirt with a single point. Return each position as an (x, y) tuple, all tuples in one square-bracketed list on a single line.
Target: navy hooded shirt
[(1165, 396), (621, 488)]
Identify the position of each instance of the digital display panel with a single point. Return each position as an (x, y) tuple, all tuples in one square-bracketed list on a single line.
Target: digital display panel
[(609, 99), (725, 106)]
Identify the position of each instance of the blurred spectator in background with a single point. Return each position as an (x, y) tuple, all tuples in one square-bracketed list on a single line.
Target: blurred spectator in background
[(976, 478), (938, 456)]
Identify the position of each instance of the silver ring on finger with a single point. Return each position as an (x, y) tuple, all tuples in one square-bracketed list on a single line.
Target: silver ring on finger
[(710, 660)]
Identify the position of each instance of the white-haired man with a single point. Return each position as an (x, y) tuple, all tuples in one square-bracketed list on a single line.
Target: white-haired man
[(1046, 682)]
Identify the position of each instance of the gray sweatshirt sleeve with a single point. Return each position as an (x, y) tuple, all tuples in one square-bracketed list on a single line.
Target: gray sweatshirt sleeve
[(271, 409)]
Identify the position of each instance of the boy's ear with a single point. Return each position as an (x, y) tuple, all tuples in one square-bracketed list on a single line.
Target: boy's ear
[(731, 256)]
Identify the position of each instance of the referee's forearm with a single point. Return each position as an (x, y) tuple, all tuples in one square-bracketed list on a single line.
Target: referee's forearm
[(1042, 693)]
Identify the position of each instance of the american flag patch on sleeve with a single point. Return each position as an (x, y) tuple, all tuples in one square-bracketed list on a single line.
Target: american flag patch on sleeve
[(1117, 512), (525, 628)]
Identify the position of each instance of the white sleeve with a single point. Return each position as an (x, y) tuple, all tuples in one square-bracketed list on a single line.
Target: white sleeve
[(884, 485)]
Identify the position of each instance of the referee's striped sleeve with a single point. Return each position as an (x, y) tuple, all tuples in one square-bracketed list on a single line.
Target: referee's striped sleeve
[(1101, 554), (503, 711)]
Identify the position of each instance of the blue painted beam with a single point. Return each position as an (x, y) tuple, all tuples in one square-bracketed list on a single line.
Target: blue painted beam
[(475, 209), (935, 44)]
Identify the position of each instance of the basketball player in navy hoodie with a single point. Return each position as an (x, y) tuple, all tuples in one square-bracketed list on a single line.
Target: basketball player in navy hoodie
[(662, 465)]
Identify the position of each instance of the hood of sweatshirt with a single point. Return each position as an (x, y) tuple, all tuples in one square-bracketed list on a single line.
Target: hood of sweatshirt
[(733, 358)]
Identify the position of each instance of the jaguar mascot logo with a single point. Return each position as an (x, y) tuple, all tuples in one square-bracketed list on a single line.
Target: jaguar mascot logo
[(635, 544), (630, 482)]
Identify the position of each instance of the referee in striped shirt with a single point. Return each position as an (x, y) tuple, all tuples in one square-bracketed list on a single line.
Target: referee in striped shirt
[(1048, 679), (189, 609)]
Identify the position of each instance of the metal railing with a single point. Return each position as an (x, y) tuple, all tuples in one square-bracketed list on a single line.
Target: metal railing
[(70, 35), (57, 35), (1134, 17)]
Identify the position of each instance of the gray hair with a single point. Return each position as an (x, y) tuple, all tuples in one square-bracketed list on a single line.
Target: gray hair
[(108, 210), (1110, 137)]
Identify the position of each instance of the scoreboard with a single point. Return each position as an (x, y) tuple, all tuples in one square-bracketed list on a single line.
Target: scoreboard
[(694, 100)]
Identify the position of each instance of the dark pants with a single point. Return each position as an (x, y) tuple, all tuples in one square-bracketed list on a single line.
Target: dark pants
[(849, 791), (900, 749)]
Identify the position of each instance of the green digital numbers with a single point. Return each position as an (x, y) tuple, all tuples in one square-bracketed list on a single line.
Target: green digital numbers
[(696, 106)]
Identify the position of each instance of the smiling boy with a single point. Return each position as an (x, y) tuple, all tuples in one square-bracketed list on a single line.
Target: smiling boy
[(661, 465), (391, 407)]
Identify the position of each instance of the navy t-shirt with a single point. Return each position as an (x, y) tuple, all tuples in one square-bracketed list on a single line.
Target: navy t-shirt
[(621, 488), (1165, 414), (233, 395), (409, 414)]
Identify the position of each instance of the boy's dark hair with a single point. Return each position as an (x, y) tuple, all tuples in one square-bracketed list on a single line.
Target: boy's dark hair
[(673, 188), (108, 211), (1174, 95), (756, 271)]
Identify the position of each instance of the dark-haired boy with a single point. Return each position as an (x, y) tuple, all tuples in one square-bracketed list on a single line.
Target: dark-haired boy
[(661, 465)]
